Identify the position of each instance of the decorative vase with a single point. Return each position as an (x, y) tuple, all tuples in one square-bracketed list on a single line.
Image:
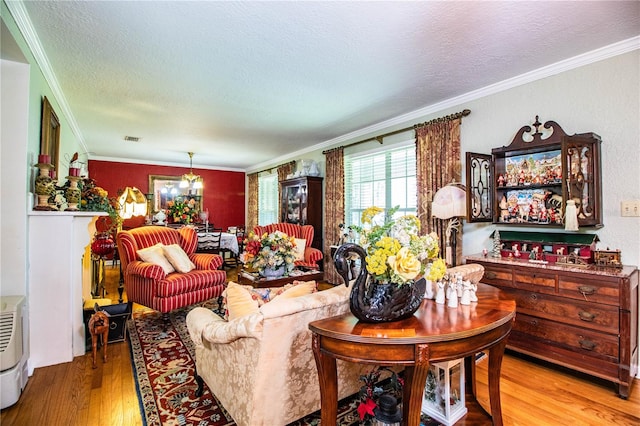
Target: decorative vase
[(374, 302), (160, 217), (73, 193), (44, 186), (273, 273), (102, 244)]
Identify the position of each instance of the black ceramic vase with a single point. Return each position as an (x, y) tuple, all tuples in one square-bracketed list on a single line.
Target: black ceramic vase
[(371, 301)]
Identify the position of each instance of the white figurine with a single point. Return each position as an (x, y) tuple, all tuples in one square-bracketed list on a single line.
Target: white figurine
[(440, 293), (453, 296), (459, 284), (472, 292), (429, 294), (465, 299)]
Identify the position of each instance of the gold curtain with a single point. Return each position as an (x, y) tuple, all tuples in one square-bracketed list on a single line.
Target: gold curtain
[(252, 202), (438, 163), (333, 210)]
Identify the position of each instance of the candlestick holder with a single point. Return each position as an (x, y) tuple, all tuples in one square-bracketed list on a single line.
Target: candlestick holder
[(73, 193), (44, 187)]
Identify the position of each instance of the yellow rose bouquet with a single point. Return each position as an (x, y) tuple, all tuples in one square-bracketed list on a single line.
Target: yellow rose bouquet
[(396, 252)]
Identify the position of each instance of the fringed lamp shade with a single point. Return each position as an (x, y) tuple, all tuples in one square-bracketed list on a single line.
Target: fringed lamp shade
[(132, 203)]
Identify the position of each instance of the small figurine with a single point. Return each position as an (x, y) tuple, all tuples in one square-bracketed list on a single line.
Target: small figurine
[(440, 293), (472, 292), (500, 180), (429, 294), (465, 299), (452, 294), (484, 252)]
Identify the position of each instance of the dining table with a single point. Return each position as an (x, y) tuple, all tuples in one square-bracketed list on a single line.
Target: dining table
[(228, 241)]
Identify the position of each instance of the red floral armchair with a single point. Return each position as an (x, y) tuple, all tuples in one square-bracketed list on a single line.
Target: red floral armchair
[(148, 284), (311, 255)]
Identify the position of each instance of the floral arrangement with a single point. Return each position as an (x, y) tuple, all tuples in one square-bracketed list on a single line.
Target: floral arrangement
[(181, 211), (396, 253), (96, 199), (269, 251), (371, 390)]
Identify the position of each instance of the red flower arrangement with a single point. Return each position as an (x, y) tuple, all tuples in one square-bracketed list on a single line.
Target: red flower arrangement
[(371, 390)]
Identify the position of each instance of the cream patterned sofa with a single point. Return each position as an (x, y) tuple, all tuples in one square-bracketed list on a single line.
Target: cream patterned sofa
[(261, 366)]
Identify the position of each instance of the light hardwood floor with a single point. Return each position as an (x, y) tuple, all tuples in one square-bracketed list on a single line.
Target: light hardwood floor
[(533, 393)]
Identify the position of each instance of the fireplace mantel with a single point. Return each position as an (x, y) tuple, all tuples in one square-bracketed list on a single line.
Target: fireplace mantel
[(59, 278)]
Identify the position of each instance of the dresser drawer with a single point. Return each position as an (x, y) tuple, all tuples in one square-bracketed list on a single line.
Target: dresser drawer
[(590, 290), (594, 316), (498, 276), (583, 341), (535, 280)]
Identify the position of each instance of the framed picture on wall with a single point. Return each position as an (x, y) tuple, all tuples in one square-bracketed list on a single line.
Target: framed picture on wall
[(50, 133)]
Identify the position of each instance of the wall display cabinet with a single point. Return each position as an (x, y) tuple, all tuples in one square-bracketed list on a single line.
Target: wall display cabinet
[(585, 319), (529, 182), (301, 203)]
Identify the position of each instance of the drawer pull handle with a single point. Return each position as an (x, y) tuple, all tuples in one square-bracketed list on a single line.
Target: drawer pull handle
[(490, 275), (587, 344), (534, 296), (586, 316), (586, 289)]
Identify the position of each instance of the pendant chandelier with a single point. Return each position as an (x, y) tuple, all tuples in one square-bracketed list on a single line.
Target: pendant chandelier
[(189, 180)]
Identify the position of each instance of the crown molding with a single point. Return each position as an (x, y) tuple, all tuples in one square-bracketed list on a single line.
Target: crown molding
[(162, 163), (24, 24)]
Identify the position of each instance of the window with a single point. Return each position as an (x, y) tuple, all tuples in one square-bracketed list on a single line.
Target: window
[(384, 179), (267, 199)]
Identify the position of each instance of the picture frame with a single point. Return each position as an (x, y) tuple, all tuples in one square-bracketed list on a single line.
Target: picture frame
[(171, 185), (50, 133)]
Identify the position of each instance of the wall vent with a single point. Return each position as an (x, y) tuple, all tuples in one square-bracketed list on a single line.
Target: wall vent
[(132, 139)]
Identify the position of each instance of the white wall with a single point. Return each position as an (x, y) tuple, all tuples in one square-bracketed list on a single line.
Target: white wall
[(14, 96)]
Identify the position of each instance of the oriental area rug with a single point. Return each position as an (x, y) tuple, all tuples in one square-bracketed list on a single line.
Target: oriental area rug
[(163, 367)]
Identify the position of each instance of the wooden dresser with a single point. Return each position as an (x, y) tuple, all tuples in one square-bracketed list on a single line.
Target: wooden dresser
[(585, 319)]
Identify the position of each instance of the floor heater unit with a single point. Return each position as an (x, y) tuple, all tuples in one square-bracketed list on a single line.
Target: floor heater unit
[(13, 363)]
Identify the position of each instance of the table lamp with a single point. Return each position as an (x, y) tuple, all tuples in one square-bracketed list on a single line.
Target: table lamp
[(450, 202)]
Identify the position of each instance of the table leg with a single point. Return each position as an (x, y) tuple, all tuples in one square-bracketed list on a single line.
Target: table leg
[(414, 382), (495, 363), (328, 379)]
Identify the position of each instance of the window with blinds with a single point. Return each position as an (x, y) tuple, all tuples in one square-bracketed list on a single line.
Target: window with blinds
[(384, 179), (267, 199)]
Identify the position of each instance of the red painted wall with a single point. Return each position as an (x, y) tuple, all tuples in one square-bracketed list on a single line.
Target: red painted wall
[(223, 190)]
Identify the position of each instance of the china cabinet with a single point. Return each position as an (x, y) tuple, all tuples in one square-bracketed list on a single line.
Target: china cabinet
[(529, 182), (301, 203)]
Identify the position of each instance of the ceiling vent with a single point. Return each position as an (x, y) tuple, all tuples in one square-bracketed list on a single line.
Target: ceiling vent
[(131, 139)]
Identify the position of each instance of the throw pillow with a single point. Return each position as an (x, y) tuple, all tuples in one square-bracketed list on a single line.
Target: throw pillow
[(239, 302), (155, 255), (300, 288), (299, 249), (178, 258)]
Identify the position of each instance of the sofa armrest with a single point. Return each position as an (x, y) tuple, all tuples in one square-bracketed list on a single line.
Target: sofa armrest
[(281, 306), (312, 255), (206, 261), (205, 326), (146, 270)]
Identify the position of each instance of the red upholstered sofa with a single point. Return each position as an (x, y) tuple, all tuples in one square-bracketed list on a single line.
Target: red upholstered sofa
[(147, 283), (311, 255)]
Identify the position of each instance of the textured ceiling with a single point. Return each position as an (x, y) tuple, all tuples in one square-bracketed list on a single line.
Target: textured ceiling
[(244, 83)]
